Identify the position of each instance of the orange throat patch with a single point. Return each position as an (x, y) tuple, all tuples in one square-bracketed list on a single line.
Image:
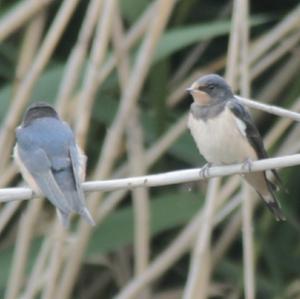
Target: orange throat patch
[(201, 98)]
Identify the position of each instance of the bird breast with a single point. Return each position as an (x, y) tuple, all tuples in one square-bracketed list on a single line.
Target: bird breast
[(221, 139)]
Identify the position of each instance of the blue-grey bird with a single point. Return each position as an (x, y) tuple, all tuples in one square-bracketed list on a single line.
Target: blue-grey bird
[(225, 133), (51, 162)]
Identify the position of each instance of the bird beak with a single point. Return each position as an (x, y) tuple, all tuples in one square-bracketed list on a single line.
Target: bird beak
[(189, 90), (200, 97)]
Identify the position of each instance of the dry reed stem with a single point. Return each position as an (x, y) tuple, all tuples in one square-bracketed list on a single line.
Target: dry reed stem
[(165, 142), (165, 259), (187, 64), (135, 83), (15, 18), (248, 254), (280, 127), (235, 224), (55, 261), (121, 52), (34, 282), (170, 255), (23, 93), (286, 45), (131, 38), (244, 48), (233, 53), (177, 93), (113, 137), (108, 205), (77, 56), (257, 49), (197, 286), (151, 156), (43, 56), (224, 243), (89, 89), (248, 245), (9, 173), (291, 141), (30, 44), (69, 81), (136, 158), (159, 147), (278, 81), (125, 297), (267, 41), (232, 228), (7, 212), (26, 229), (140, 195), (192, 57)]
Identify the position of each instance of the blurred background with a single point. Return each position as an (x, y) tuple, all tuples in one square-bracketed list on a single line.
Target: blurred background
[(117, 72)]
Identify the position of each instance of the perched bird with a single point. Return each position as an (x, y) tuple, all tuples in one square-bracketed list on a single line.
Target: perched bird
[(225, 133), (51, 162)]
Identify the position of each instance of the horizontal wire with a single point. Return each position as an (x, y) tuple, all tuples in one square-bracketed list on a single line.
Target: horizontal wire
[(164, 179)]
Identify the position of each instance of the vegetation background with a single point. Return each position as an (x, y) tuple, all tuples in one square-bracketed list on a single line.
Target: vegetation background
[(117, 72)]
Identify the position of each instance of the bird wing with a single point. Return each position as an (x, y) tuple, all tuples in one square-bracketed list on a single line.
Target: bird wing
[(39, 166), (77, 166), (252, 134)]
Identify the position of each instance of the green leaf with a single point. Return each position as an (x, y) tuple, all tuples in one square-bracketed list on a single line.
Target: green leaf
[(176, 39), (179, 38), (132, 9), (45, 89), (6, 257), (168, 210)]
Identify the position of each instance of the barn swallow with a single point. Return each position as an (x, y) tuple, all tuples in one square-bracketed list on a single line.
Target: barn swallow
[(51, 161), (225, 133)]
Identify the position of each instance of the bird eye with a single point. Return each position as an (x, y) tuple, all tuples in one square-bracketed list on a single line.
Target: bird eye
[(211, 86)]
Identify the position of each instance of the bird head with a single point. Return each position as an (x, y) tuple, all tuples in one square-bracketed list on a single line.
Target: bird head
[(210, 90), (38, 110)]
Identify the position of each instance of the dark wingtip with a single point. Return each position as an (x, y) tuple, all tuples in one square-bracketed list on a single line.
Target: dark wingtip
[(276, 211), (280, 218), (273, 205), (87, 216)]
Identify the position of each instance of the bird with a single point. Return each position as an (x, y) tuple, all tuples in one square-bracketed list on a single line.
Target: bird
[(225, 133), (51, 162)]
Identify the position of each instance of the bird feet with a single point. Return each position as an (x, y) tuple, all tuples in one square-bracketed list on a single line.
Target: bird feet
[(247, 165), (204, 171)]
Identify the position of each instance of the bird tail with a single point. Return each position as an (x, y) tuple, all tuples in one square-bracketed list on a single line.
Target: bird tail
[(86, 215), (65, 218), (265, 190), (77, 202), (273, 205)]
